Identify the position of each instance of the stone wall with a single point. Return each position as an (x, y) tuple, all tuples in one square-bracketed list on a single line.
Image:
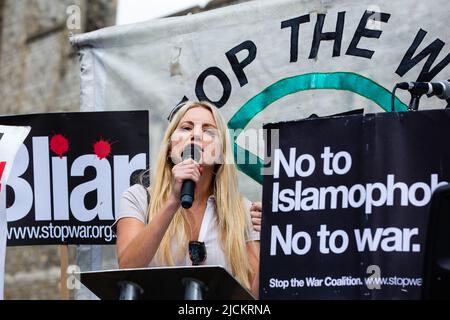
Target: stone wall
[(39, 70), (33, 273)]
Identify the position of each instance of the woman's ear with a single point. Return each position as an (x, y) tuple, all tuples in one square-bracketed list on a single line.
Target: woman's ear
[(170, 158)]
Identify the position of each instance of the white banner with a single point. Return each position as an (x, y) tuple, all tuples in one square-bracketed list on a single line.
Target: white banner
[(11, 138), (268, 61)]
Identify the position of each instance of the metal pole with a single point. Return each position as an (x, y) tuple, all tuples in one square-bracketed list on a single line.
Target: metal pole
[(130, 291), (64, 261), (194, 289), (414, 103)]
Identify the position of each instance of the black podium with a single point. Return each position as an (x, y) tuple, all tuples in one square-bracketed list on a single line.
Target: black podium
[(174, 283)]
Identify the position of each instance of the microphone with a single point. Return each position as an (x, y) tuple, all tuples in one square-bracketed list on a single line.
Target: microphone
[(440, 89), (191, 151)]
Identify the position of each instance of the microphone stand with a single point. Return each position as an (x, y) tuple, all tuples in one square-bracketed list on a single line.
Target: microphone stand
[(417, 93), (193, 289), (130, 291), (414, 103)]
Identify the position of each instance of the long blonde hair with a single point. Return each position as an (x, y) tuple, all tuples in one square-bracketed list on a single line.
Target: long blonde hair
[(231, 212)]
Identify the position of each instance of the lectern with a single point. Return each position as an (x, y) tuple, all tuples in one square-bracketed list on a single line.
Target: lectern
[(174, 283)]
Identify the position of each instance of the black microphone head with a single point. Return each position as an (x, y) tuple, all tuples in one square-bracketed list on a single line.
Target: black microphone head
[(403, 85), (192, 151), (197, 252)]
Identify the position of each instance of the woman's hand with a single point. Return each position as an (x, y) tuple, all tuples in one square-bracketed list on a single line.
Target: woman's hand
[(186, 170), (256, 214)]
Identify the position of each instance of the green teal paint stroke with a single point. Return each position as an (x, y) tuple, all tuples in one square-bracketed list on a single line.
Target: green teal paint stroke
[(345, 81)]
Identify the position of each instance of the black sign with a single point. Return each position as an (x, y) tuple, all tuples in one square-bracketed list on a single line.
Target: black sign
[(346, 205), (67, 179)]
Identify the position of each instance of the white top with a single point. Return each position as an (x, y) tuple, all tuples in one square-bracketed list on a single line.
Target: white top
[(134, 204)]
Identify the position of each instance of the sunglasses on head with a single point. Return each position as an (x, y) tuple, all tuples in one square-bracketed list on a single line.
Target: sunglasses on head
[(176, 109), (197, 252)]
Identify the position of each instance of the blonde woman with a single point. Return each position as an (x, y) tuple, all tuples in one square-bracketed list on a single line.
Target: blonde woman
[(159, 234)]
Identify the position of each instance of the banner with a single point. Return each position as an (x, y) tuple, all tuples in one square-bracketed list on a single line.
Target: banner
[(346, 205), (68, 177), (267, 61), (10, 140)]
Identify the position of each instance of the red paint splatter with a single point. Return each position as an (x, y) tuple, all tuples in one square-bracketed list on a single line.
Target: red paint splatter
[(59, 145), (2, 168), (102, 149)]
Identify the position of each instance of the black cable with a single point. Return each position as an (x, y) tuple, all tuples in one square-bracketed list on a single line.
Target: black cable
[(393, 98)]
